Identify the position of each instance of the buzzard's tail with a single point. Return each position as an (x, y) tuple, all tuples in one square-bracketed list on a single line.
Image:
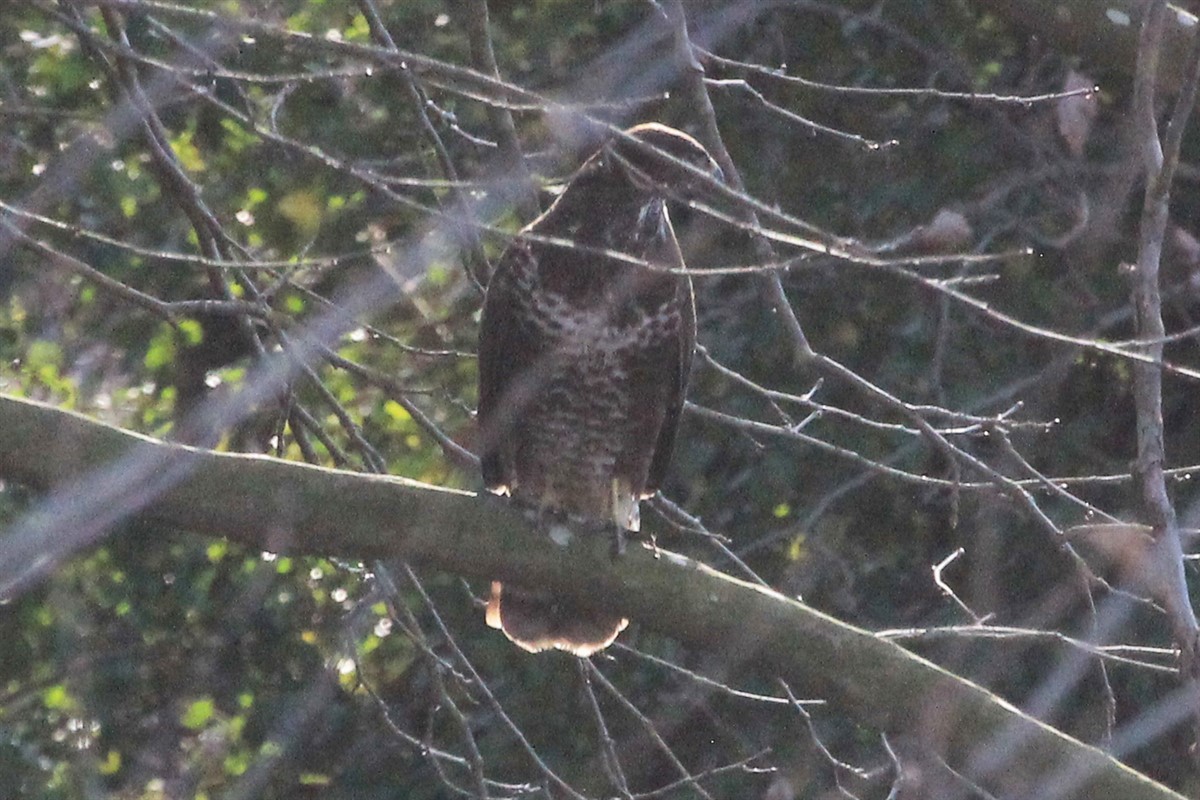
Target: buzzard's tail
[(537, 622)]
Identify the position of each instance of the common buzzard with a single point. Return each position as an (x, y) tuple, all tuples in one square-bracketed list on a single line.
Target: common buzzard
[(584, 355)]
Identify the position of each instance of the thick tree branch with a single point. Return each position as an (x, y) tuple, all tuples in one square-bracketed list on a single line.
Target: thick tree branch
[(276, 505), (1160, 157)]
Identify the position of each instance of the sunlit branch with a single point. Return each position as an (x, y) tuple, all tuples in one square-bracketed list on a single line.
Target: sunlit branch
[(792, 116), (281, 506), (781, 75)]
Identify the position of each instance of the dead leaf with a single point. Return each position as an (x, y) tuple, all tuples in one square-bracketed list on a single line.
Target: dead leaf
[(1127, 551), (1183, 247), (1076, 114), (947, 232)]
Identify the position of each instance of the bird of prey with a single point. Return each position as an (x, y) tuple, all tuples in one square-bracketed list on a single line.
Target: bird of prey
[(584, 354)]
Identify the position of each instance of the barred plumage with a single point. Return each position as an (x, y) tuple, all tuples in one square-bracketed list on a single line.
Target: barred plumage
[(584, 357)]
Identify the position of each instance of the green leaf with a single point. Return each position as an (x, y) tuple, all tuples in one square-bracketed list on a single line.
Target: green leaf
[(396, 411), (198, 714), (161, 351), (237, 763), (302, 209), (192, 331), (111, 763), (57, 697), (187, 152), (217, 550)]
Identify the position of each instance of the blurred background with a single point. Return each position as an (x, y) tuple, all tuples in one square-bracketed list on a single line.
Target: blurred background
[(188, 191)]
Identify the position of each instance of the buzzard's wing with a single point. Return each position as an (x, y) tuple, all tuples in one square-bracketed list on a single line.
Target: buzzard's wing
[(506, 348), (680, 369)]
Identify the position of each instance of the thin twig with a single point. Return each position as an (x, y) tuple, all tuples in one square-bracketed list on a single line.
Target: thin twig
[(651, 731)]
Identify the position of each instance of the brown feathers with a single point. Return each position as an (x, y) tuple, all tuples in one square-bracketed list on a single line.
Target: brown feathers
[(584, 354)]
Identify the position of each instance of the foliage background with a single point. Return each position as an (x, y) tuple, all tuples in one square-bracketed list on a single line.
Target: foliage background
[(162, 665)]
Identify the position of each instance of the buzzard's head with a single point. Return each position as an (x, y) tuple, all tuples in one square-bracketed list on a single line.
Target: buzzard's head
[(662, 161)]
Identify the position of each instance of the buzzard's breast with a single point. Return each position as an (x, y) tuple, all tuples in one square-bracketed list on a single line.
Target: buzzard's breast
[(598, 405)]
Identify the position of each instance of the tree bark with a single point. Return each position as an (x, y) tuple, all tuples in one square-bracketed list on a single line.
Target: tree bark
[(95, 475)]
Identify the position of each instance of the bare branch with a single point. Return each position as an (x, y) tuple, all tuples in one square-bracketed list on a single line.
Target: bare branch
[(1160, 159), (281, 506)]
